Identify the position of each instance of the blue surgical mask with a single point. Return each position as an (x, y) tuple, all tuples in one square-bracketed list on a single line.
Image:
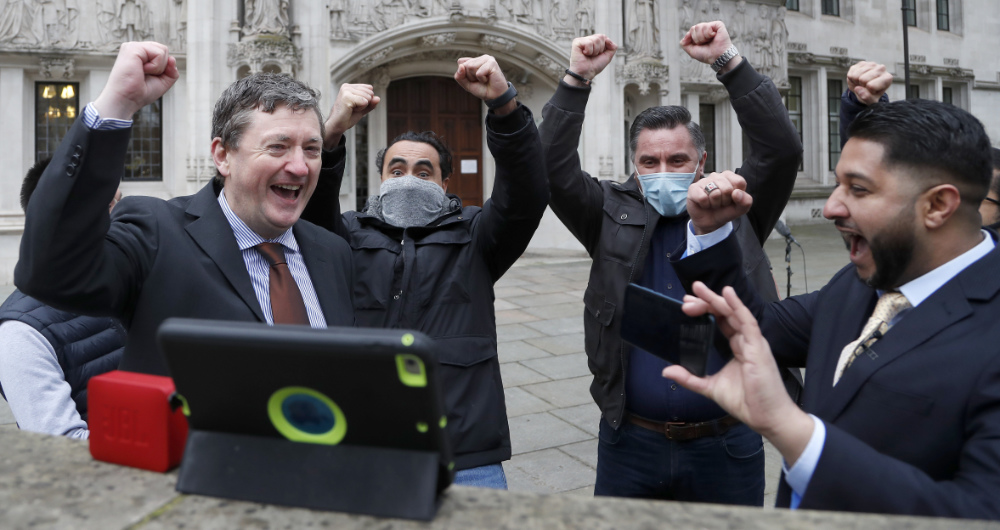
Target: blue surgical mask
[(667, 192)]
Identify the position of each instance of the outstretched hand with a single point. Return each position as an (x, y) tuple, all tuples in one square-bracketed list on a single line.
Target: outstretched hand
[(142, 73), (589, 56), (707, 41), (716, 200), (868, 81), (353, 102), (749, 386)]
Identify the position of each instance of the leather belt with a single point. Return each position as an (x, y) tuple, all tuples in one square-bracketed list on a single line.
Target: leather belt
[(679, 431)]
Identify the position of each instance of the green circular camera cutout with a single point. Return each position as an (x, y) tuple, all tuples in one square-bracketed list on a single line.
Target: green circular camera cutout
[(304, 415)]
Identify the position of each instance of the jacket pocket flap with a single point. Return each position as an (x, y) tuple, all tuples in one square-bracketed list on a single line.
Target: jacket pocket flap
[(602, 309), (465, 350)]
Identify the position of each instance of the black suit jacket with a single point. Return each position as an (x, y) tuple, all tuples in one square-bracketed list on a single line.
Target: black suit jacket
[(154, 259), (913, 427)]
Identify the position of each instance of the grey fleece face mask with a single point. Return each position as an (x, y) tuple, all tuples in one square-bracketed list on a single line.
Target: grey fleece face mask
[(409, 201)]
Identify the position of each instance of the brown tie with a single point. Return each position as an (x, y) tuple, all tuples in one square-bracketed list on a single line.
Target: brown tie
[(889, 305), (287, 306)]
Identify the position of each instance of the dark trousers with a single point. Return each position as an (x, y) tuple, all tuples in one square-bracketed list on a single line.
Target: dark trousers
[(637, 462)]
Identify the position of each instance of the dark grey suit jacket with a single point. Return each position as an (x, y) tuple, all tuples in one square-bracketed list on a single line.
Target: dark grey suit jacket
[(154, 259)]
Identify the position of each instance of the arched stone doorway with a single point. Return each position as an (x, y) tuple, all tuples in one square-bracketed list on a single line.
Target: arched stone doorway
[(439, 104)]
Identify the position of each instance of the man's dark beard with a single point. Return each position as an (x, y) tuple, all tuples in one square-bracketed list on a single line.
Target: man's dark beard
[(892, 251)]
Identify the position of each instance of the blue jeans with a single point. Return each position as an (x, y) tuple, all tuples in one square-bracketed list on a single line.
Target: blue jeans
[(490, 476), (637, 462)]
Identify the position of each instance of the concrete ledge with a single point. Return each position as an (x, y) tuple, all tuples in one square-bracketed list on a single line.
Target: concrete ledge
[(51, 482)]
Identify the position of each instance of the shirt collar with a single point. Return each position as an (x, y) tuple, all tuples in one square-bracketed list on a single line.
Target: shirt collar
[(245, 236), (919, 289)]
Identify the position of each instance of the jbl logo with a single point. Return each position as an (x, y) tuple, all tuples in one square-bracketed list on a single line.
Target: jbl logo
[(123, 425)]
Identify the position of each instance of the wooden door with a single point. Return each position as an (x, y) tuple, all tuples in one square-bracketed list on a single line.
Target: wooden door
[(438, 104)]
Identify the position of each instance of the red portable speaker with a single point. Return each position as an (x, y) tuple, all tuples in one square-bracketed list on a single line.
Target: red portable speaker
[(133, 422)]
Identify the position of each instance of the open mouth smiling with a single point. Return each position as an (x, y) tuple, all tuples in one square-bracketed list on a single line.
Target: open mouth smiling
[(289, 192)]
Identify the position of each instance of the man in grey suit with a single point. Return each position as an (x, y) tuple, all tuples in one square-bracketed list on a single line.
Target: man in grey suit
[(200, 256)]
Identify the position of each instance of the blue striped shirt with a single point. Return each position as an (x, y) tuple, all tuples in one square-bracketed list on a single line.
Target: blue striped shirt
[(259, 268)]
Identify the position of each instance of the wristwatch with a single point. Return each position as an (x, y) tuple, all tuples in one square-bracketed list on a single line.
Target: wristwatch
[(725, 58)]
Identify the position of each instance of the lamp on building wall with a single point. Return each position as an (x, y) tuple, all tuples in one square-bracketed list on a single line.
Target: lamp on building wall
[(67, 92)]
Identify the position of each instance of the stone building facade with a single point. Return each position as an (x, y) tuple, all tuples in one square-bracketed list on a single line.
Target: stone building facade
[(55, 56)]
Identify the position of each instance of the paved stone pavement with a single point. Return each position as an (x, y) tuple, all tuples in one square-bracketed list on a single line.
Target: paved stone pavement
[(553, 419)]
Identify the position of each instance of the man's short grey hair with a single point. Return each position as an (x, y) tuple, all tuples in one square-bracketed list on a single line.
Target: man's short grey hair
[(665, 117), (235, 108)]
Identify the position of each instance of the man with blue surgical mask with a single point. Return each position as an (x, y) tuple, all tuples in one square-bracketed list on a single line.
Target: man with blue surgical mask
[(423, 261), (658, 440)]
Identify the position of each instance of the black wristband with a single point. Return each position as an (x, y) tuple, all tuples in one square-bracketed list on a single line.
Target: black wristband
[(503, 99), (579, 77)]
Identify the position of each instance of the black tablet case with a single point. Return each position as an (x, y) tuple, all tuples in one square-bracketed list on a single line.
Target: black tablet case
[(393, 460)]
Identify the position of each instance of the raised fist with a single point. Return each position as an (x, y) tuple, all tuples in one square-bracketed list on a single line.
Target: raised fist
[(589, 56)]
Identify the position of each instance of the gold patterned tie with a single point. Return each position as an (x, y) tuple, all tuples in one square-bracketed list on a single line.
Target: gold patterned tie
[(889, 305)]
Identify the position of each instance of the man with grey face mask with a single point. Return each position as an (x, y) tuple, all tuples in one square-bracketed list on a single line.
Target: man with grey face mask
[(423, 261)]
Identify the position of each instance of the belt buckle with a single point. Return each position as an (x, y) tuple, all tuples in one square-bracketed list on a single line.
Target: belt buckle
[(667, 425)]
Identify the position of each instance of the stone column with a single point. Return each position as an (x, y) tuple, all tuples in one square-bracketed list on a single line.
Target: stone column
[(824, 126), (206, 76), (378, 130), (603, 128), (16, 157)]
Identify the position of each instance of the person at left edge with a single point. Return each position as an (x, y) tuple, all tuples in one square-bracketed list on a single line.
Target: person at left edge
[(191, 256), (422, 261)]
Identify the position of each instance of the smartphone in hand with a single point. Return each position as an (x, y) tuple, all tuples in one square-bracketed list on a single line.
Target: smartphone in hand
[(655, 323)]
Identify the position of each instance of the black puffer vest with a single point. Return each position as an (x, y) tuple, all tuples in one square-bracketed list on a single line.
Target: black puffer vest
[(85, 346)]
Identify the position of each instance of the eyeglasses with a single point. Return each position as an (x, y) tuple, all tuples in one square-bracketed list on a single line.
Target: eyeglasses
[(994, 201)]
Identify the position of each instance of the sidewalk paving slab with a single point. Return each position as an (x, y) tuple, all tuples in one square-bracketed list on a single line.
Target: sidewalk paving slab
[(515, 374), (561, 367), (548, 471), (560, 344), (563, 393), (542, 431), (519, 350)]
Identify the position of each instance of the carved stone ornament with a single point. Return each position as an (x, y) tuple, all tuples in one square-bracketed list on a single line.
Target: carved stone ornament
[(797, 47), (836, 50), (56, 67), (961, 72), (258, 53), (918, 58), (265, 17), (950, 62), (843, 61), (643, 73), (499, 44), (554, 69), (717, 95), (378, 77), (802, 58), (375, 58), (557, 20), (438, 40)]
